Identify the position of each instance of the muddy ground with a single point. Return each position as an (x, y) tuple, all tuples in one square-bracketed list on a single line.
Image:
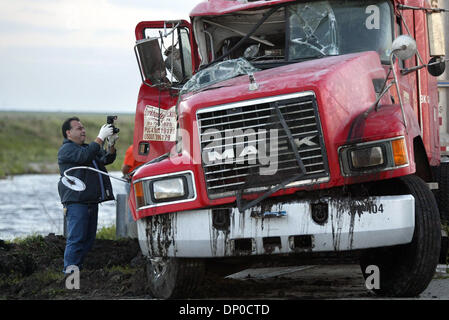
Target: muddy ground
[(32, 269)]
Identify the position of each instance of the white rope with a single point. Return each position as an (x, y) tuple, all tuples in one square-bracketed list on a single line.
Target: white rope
[(92, 169)]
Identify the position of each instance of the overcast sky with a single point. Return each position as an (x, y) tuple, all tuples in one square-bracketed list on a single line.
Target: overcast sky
[(74, 55)]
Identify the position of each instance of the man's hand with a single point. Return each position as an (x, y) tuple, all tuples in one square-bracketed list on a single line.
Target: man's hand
[(125, 170), (105, 131), (112, 140)]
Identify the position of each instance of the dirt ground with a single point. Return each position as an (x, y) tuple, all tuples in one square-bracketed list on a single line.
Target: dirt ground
[(32, 269)]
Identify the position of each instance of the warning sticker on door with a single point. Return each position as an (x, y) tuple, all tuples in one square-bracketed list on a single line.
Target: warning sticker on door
[(159, 124)]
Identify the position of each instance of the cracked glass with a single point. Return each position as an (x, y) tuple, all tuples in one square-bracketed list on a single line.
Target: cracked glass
[(312, 30), (219, 72), (326, 28)]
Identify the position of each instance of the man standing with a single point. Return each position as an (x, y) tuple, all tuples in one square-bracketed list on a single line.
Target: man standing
[(81, 207)]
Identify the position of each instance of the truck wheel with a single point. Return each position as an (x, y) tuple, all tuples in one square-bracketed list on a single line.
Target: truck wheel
[(406, 270), (442, 194), (170, 278)]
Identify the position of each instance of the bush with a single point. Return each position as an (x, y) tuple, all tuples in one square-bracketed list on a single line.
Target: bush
[(106, 233)]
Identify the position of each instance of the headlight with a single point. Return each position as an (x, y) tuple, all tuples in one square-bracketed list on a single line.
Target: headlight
[(164, 189), (169, 188), (367, 157), (373, 156)]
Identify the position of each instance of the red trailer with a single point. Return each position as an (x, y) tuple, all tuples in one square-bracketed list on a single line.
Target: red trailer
[(290, 130)]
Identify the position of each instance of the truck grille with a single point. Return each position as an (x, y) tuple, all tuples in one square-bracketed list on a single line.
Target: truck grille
[(233, 144)]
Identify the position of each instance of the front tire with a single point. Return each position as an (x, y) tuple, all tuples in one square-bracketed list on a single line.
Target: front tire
[(406, 270), (170, 278)]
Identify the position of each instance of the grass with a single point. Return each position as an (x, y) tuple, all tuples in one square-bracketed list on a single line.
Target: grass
[(121, 269), (106, 233), (28, 240), (29, 141)]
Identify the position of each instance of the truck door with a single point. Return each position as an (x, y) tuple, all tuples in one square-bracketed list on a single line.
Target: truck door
[(164, 55)]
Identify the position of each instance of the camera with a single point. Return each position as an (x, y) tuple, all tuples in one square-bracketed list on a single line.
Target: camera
[(110, 120)]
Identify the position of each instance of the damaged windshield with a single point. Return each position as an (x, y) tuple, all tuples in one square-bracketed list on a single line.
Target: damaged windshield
[(296, 32), (313, 30), (219, 72), (292, 33), (326, 28)]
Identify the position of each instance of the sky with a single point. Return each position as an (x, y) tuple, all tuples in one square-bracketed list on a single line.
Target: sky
[(75, 55)]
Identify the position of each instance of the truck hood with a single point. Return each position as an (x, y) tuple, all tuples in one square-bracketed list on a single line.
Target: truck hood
[(343, 86), (338, 78)]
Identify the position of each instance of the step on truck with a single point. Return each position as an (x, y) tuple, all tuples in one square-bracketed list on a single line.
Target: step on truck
[(279, 132)]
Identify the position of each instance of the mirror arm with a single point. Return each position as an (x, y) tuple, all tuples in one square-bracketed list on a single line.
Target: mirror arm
[(397, 89), (376, 104), (410, 34), (406, 71), (384, 90)]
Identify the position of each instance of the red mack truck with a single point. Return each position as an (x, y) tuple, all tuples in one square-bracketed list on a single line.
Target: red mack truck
[(284, 131)]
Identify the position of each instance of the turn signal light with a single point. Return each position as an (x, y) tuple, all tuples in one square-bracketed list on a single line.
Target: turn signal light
[(399, 152), (138, 190)]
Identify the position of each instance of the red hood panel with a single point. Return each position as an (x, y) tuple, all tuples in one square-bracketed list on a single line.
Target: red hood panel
[(332, 77), (342, 84)]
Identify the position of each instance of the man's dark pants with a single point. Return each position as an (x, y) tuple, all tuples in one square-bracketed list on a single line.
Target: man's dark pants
[(81, 231)]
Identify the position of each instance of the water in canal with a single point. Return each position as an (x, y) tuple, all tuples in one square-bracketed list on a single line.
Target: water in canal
[(30, 204)]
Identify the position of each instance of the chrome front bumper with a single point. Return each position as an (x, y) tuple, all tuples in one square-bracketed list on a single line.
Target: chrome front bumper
[(281, 228)]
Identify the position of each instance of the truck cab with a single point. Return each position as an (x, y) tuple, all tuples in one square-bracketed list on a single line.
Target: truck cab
[(289, 130)]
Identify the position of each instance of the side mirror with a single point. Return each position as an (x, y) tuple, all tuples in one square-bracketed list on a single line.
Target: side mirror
[(436, 66), (404, 47), (151, 63)]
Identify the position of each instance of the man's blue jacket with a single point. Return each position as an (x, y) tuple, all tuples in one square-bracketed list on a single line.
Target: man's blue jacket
[(98, 186)]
